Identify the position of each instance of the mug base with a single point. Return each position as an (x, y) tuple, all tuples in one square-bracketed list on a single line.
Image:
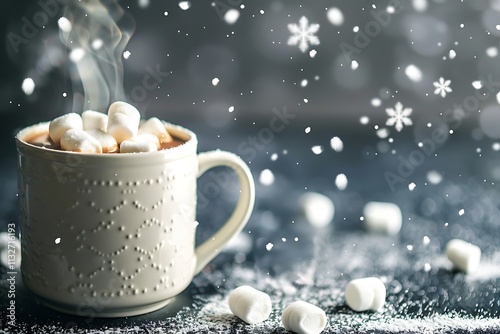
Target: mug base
[(106, 312)]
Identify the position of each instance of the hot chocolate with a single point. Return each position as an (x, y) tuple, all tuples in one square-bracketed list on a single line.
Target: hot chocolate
[(121, 130), (43, 140)]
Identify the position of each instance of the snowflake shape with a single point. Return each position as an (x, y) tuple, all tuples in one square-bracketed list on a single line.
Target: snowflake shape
[(442, 87), (398, 116), (303, 34)]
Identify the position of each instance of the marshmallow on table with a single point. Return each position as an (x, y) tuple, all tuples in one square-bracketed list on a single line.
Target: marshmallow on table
[(108, 142), (123, 121), (155, 127), (58, 126), (464, 255), (80, 141), (249, 304), (304, 318), (382, 217), (365, 294), (94, 120)]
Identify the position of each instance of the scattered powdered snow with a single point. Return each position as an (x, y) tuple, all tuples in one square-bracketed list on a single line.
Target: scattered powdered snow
[(413, 73), (335, 16), (266, 177), (337, 144), (28, 86), (341, 181), (231, 16)]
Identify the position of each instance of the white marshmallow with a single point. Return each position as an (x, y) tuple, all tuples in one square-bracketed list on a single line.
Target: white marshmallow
[(365, 294), (147, 137), (304, 318), (80, 141), (379, 293), (464, 255), (382, 217), (318, 209), (124, 108), (108, 142), (122, 127), (94, 120), (123, 121), (155, 127), (131, 146), (249, 304), (8, 258), (63, 123)]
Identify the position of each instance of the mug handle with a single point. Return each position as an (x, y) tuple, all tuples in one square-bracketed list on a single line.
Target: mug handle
[(213, 245)]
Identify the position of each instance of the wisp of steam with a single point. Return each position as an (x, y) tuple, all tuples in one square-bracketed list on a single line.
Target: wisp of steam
[(96, 33)]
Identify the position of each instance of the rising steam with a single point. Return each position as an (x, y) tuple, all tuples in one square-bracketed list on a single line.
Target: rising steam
[(96, 32)]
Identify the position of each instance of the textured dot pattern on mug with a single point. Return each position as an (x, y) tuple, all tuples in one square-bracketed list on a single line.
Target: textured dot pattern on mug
[(123, 198)]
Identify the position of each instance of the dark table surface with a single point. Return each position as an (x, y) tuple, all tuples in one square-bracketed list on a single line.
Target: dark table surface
[(314, 264)]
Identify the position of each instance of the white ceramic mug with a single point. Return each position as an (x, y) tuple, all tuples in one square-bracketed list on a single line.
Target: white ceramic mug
[(112, 235)]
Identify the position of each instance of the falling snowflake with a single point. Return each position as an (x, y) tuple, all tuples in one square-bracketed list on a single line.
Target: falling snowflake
[(442, 87), (303, 34), (398, 116)]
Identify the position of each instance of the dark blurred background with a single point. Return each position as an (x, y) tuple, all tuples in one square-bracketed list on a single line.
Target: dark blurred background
[(399, 49), (256, 67)]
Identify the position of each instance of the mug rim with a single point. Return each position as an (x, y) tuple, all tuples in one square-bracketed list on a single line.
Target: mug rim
[(189, 137)]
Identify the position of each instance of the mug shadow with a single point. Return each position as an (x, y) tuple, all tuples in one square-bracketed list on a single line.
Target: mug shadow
[(32, 313)]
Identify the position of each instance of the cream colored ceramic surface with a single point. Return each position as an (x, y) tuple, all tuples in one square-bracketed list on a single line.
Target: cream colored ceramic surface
[(113, 235)]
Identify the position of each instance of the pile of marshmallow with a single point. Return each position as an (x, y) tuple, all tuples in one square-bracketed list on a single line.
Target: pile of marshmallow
[(386, 218), (254, 306), (120, 131), (362, 294)]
